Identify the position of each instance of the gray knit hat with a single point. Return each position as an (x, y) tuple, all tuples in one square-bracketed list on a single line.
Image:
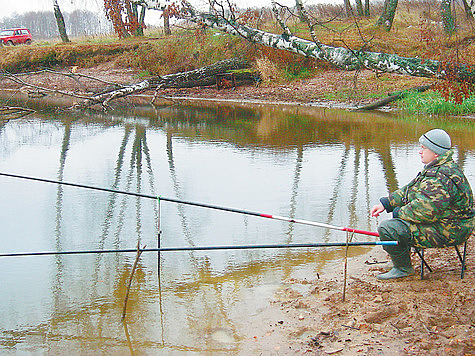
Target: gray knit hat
[(436, 140)]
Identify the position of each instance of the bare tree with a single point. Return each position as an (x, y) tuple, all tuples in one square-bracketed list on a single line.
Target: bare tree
[(447, 17), (60, 21), (83, 22), (165, 6), (348, 9), (43, 24), (387, 17), (366, 8), (359, 8), (469, 9)]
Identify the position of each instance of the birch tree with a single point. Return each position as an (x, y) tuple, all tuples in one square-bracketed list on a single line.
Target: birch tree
[(387, 17), (344, 58), (447, 18), (60, 21), (350, 59), (164, 6)]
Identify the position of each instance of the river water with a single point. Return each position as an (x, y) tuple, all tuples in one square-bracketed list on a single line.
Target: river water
[(316, 164)]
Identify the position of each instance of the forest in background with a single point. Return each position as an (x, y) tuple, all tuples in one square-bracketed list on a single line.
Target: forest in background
[(42, 24)]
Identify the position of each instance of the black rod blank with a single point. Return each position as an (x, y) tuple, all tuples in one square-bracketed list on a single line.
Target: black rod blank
[(148, 196), (203, 248), (78, 185)]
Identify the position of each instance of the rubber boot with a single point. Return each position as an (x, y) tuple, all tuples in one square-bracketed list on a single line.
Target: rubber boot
[(402, 267)]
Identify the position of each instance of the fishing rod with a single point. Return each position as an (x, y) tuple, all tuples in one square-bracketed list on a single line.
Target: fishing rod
[(203, 205), (204, 248)]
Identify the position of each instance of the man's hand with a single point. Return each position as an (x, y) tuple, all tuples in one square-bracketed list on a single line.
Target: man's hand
[(377, 209)]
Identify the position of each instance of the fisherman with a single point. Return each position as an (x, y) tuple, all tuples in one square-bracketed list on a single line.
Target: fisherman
[(435, 209)]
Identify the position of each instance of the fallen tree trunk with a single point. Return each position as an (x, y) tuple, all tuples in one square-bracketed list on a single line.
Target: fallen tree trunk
[(204, 76), (344, 58), (392, 97)]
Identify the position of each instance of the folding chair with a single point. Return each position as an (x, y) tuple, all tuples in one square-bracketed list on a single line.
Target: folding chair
[(462, 257)]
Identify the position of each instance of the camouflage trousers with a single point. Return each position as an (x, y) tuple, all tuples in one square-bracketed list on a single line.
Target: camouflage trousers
[(400, 231), (396, 230)]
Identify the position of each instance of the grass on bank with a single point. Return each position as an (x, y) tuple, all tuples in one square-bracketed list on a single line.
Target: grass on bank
[(154, 54), (416, 33), (431, 102)]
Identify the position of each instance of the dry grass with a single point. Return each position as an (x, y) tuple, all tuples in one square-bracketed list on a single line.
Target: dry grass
[(268, 70)]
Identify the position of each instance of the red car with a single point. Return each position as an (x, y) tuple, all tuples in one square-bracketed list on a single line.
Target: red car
[(15, 36)]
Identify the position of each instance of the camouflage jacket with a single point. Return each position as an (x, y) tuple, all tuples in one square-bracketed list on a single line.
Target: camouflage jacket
[(437, 204)]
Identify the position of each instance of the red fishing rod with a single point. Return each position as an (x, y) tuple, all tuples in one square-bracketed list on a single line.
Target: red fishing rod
[(269, 216), (203, 205)]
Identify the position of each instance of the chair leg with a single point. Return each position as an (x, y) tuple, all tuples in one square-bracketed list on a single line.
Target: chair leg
[(420, 252), (421, 255), (462, 258)]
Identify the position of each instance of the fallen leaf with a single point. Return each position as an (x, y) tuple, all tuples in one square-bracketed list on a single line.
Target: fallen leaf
[(378, 299), (333, 351)]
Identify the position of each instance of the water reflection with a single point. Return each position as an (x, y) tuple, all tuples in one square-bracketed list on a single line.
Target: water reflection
[(177, 191), (322, 165), (57, 291), (337, 188), (294, 191)]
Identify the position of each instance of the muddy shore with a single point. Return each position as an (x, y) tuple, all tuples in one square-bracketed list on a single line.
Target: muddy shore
[(330, 88), (434, 316)]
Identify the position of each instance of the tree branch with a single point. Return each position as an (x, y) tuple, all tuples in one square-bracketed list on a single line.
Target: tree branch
[(11, 112), (16, 79), (287, 33), (304, 16), (392, 97), (139, 252), (204, 76)]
